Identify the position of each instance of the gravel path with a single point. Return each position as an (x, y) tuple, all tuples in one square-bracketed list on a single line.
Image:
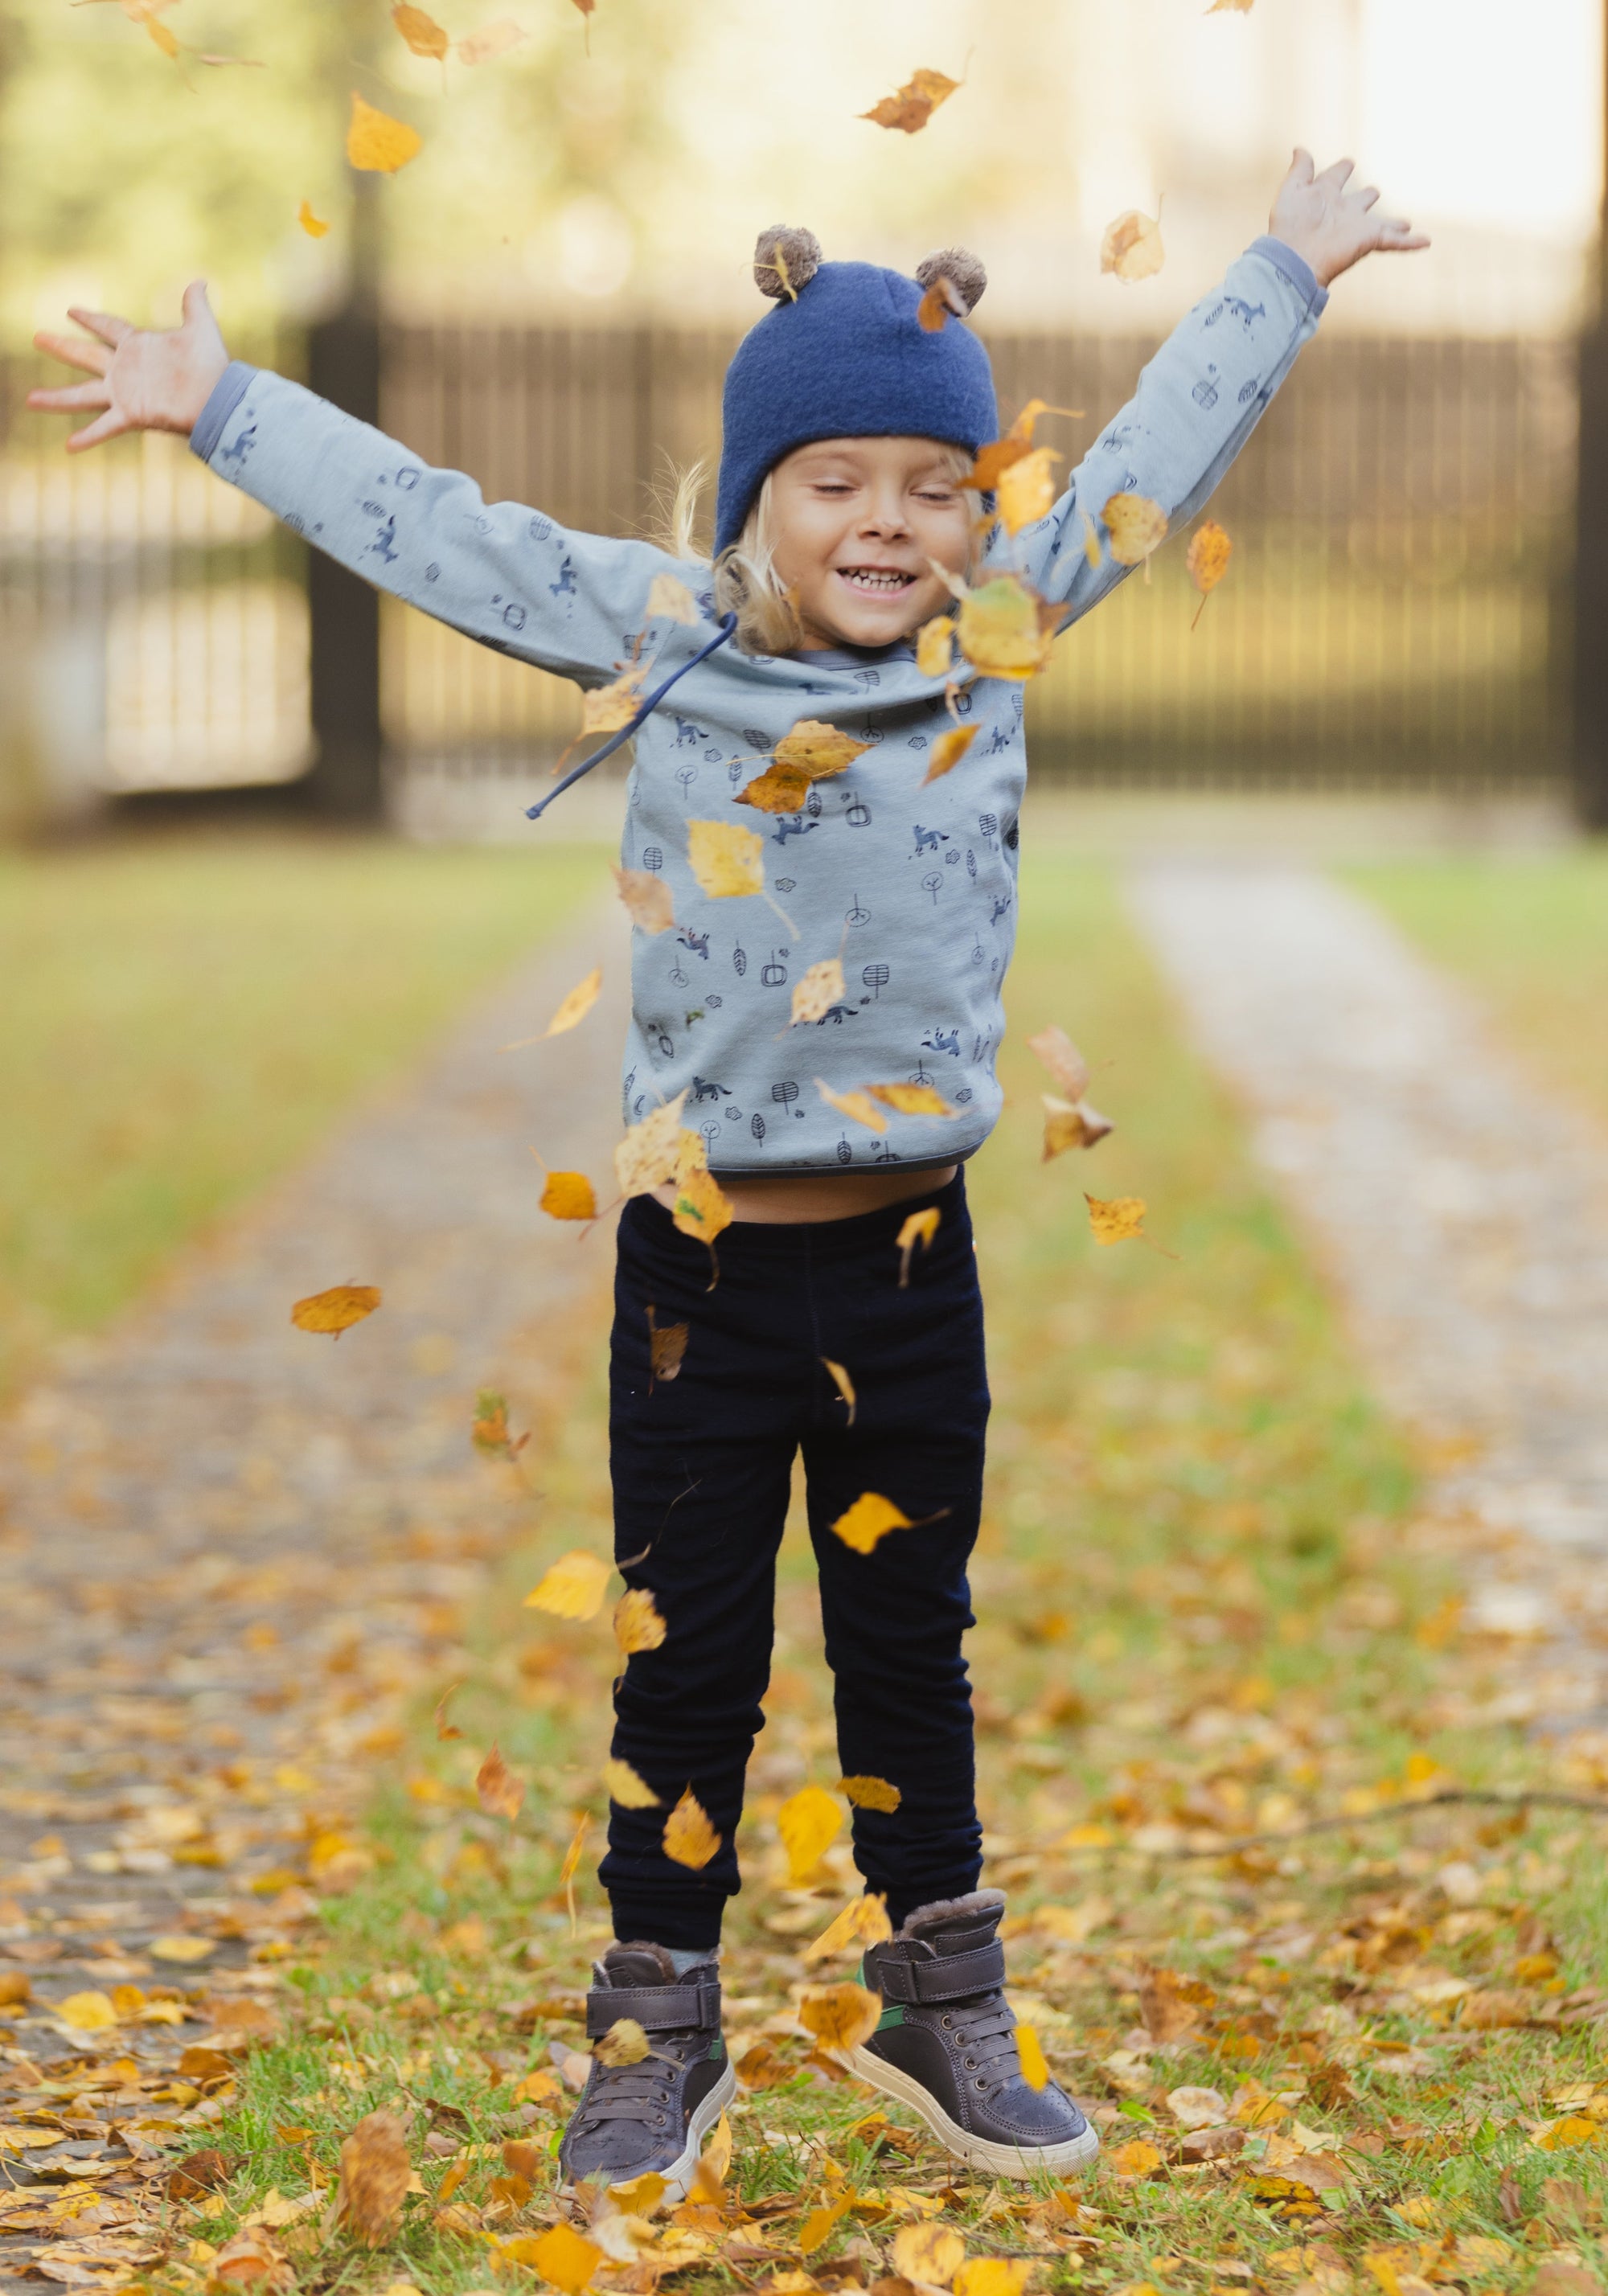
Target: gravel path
[(1462, 1213)]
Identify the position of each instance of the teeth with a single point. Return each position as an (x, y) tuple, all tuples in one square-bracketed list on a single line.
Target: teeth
[(868, 577)]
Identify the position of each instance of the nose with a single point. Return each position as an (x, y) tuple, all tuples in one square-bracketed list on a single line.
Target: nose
[(885, 514)]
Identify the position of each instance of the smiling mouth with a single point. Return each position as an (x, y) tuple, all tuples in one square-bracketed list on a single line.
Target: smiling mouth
[(875, 581)]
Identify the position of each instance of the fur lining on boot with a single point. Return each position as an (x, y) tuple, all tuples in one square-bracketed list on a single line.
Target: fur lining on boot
[(659, 1953), (942, 1909)]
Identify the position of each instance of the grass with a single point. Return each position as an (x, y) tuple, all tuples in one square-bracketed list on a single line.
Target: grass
[(1530, 935), (1205, 1613), (184, 1018)]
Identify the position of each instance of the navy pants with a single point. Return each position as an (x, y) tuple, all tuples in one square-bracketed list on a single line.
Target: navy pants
[(701, 1467)]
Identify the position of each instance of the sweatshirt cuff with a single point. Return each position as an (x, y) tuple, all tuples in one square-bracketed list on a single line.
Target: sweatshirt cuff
[(1295, 268), (227, 392)]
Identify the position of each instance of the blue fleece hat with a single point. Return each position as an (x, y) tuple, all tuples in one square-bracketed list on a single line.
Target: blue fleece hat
[(843, 356)]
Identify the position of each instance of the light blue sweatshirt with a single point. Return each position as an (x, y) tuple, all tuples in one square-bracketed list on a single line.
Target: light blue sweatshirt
[(915, 887)]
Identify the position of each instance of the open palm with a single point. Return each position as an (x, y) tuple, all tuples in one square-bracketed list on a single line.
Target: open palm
[(1333, 227), (144, 379)]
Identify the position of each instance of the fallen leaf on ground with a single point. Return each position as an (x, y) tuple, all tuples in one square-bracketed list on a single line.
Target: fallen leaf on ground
[(840, 2016), (864, 1920), (336, 1310), (1035, 2071), (572, 1588), (181, 1948), (637, 1624), (727, 860), (648, 899), (87, 2012), (869, 1520), (1197, 2108), (250, 2261), (310, 222), (375, 2173), (912, 1099), (1068, 1126), (816, 990), (564, 2258), (809, 1823), (648, 1155), (921, 1227), (1136, 525), (376, 144), (689, 1837), (492, 40), (860, 1105), (992, 2275), (935, 647), (1136, 2158), (567, 1196), (1114, 1219), (1207, 560), (626, 1787), (915, 102), (623, 2044), (499, 1792), (948, 751), (930, 2252), (1132, 247), (844, 1385), (1171, 2005), (1491, 2010), (1025, 491), (817, 2225), (421, 33), (870, 1793)]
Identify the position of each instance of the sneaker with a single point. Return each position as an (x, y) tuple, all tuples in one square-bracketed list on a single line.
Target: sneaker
[(652, 2118), (945, 2044)]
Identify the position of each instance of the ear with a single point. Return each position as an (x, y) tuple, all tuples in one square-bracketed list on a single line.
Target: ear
[(786, 258), (962, 269)]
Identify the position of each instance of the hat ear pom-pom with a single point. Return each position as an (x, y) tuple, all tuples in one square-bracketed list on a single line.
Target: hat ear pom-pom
[(962, 270), (786, 258)]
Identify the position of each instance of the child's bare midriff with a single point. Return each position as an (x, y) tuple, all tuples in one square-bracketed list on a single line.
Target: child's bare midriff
[(833, 1196)]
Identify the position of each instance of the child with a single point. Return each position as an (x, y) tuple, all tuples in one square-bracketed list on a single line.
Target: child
[(847, 427)]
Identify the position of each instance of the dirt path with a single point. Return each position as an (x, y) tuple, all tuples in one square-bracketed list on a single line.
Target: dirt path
[(229, 1550), (1463, 1215)]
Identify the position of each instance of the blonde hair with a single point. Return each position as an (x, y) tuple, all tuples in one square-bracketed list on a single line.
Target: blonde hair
[(746, 581)]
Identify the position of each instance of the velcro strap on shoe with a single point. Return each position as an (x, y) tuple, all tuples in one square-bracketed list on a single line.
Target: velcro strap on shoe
[(947, 1977), (657, 2008)]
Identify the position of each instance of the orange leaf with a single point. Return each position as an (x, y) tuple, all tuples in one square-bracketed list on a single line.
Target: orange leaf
[(421, 33), (376, 144), (915, 102), (500, 1792), (567, 1196), (840, 2016), (310, 222), (1207, 560), (870, 1793), (336, 1310), (949, 749)]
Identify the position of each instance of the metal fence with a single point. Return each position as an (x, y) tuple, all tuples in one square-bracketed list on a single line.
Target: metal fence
[(1396, 611)]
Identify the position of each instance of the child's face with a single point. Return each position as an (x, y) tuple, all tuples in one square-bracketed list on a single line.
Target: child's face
[(855, 522)]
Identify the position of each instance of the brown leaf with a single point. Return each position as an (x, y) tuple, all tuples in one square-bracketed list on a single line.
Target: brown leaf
[(1171, 2005), (779, 789), (205, 2171), (1494, 2010), (667, 1348), (500, 1792), (250, 2260), (15, 1988), (948, 751), (1556, 2278), (1069, 1070), (375, 2174), (623, 2044), (1067, 1125), (336, 1310), (648, 899), (915, 102)]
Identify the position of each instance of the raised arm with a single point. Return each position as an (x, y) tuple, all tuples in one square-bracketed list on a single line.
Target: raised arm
[(500, 572), (1206, 388)]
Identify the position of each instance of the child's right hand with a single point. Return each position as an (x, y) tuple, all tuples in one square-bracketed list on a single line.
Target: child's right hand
[(144, 380)]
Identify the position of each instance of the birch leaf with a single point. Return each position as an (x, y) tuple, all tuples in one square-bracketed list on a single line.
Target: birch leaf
[(864, 1920), (860, 1105), (930, 2252), (935, 649), (779, 789), (1000, 630), (940, 304), (701, 1208), (577, 1005), (912, 1099), (499, 1792), (844, 1385), (870, 1793), (1025, 490), (564, 2258), (840, 2017), (809, 1823), (1035, 2071), (375, 2171), (1131, 248), (310, 222), (572, 1588), (1207, 560), (646, 1158), (567, 1196), (623, 2044), (1135, 524), (421, 33), (915, 102), (1115, 1219), (670, 600), (627, 1786), (689, 1837), (376, 144), (648, 900), (921, 1227), (864, 1525), (491, 41), (817, 991), (606, 709), (637, 1624), (949, 749), (666, 1347), (336, 1310), (727, 860), (1069, 1070), (1071, 1124)]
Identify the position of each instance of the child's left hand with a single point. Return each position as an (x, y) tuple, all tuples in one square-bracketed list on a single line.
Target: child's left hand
[(1331, 227)]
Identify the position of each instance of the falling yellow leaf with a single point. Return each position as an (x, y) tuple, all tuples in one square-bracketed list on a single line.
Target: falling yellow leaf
[(1207, 560), (162, 37), (85, 2012), (564, 2259), (637, 1624), (818, 749), (310, 222), (727, 860), (572, 1588), (864, 1920), (912, 1099), (1069, 1070), (1026, 491), (1132, 247), (870, 1793), (567, 1196), (935, 647), (928, 2251), (857, 1105), (921, 1227), (915, 102), (1237, 7), (648, 899), (499, 1792), (444, 1728), (840, 2016), (577, 1005), (623, 2044), (1136, 525), (646, 1158), (568, 1871), (689, 1837), (375, 2172), (666, 1347), (377, 144), (992, 2275), (491, 41), (1071, 1124), (701, 1207), (670, 600), (817, 991), (1116, 1218), (606, 709), (948, 751), (336, 1310), (844, 1385), (421, 33), (869, 1520), (627, 1786), (809, 1823), (779, 789), (1001, 631), (1034, 2070)]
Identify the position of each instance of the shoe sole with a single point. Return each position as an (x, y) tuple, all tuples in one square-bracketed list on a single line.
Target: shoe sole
[(678, 2176), (976, 2152)]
